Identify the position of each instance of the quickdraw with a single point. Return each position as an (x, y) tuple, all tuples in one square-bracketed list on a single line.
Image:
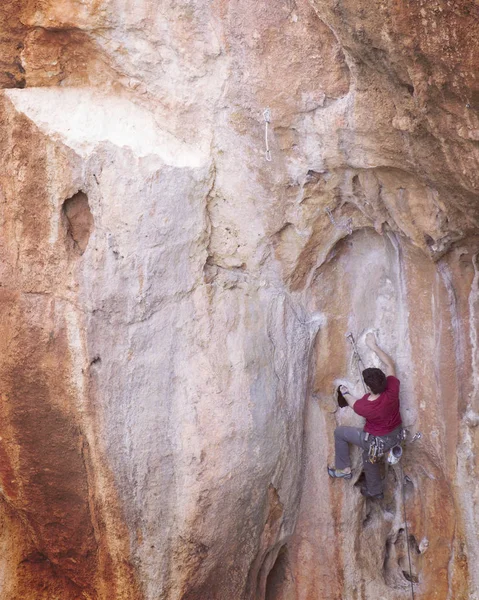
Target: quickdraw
[(346, 225), (267, 121), (357, 358)]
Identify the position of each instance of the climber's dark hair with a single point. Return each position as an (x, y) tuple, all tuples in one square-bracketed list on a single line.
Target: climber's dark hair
[(375, 380)]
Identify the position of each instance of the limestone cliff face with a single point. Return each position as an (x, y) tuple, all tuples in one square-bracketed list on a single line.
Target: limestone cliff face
[(174, 306)]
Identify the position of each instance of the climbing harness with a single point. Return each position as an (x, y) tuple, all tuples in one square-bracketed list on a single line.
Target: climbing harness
[(357, 358), (377, 449), (267, 121), (347, 225)]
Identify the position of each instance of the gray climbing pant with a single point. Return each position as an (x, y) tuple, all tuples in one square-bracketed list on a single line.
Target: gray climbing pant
[(343, 436)]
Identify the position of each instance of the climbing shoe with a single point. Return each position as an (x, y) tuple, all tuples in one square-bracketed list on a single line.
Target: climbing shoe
[(367, 494), (335, 474)]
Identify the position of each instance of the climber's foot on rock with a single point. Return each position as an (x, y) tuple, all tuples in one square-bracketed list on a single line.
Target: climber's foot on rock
[(339, 473)]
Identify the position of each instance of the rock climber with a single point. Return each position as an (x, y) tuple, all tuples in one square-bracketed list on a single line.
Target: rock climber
[(380, 408)]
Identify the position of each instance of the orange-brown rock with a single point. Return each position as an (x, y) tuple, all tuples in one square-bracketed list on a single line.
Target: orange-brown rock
[(174, 305)]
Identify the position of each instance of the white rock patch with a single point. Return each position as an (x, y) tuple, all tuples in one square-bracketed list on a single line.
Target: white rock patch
[(84, 118)]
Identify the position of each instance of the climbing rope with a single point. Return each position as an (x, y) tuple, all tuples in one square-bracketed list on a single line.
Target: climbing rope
[(267, 121), (403, 487)]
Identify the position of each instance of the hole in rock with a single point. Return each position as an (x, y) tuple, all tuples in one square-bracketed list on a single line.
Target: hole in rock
[(399, 536), (402, 555), (367, 518), (411, 577), (413, 545), (79, 220), (357, 189), (408, 486), (341, 399), (278, 576), (387, 553), (312, 176)]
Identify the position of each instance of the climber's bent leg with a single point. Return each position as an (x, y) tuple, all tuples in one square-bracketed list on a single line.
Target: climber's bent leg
[(343, 436), (374, 483)]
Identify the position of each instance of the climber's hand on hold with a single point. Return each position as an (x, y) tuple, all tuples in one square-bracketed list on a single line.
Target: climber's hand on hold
[(383, 357), (347, 396)]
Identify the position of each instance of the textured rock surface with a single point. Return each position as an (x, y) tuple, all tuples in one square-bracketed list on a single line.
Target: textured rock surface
[(174, 306)]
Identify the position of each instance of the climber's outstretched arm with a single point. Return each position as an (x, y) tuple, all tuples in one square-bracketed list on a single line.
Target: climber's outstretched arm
[(385, 358)]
